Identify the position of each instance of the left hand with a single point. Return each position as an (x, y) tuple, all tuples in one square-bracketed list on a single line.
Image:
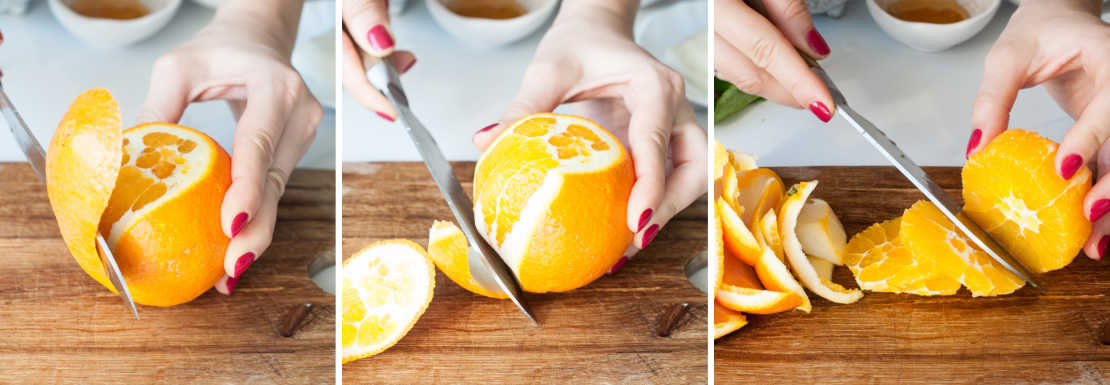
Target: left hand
[(589, 55), (243, 59)]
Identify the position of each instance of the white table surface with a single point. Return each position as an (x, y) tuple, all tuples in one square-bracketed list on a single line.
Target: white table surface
[(45, 68), (455, 89), (921, 100)]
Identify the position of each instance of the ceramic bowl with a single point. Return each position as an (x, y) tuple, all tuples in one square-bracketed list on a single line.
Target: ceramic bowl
[(929, 37), (489, 33), (109, 33)]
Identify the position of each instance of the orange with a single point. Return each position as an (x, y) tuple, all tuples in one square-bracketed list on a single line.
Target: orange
[(880, 262), (154, 191), (933, 240), (385, 287), (1011, 189), (550, 195), (799, 261), (726, 321), (448, 248)]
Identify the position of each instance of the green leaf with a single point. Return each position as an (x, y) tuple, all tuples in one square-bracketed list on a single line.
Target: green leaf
[(730, 100)]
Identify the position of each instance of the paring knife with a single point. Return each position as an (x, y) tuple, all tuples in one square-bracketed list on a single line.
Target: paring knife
[(914, 173), (384, 77), (37, 157)]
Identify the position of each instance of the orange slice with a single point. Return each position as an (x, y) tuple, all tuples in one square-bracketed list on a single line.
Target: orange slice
[(738, 239), (880, 262), (726, 321), (820, 232), (154, 191), (449, 250), (550, 195), (788, 218), (386, 287), (760, 191), (932, 239), (1012, 190)]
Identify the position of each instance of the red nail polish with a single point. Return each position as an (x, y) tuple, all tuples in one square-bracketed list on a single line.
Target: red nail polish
[(617, 266), (973, 142), (243, 263), (644, 218), (486, 128), (649, 234), (817, 42), (230, 283), (1102, 243), (1, 38), (1070, 165), (821, 111), (237, 224), (411, 63), (1099, 208), (384, 116), (379, 38)]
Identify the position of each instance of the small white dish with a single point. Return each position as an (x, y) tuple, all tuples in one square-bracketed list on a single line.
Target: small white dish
[(929, 37), (488, 33), (661, 31), (109, 33)]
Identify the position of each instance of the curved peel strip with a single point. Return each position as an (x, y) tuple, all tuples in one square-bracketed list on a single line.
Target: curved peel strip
[(449, 250), (756, 301), (820, 232), (774, 276), (788, 218), (726, 321), (759, 191), (738, 239)]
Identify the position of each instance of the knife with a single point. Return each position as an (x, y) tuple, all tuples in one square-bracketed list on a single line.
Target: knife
[(37, 157), (914, 173), (384, 77)]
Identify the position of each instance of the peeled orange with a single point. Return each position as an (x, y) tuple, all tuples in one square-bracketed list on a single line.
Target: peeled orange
[(1011, 189), (154, 191), (550, 195), (386, 287), (880, 262)]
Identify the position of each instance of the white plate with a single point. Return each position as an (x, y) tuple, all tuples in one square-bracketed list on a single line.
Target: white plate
[(666, 27)]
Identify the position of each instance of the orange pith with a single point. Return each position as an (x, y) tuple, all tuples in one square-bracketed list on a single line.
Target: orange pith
[(550, 194), (799, 261), (760, 191), (449, 250), (933, 240), (880, 262), (1012, 191), (160, 212)]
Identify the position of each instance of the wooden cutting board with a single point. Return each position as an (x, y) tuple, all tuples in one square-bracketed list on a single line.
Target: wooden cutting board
[(61, 327), (1026, 337), (602, 333)]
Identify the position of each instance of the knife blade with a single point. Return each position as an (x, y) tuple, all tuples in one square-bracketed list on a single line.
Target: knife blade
[(37, 157), (384, 77)]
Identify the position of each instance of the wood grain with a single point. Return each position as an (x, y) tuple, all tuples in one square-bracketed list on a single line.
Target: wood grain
[(61, 327), (602, 333), (903, 339)]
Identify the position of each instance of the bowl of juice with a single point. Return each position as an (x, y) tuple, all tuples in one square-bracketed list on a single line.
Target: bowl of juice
[(932, 25), (113, 23)]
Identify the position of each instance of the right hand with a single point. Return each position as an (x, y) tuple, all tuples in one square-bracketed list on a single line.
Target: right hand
[(759, 56), (366, 24)]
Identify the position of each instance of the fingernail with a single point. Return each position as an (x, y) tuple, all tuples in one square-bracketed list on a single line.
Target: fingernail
[(379, 38), (644, 218), (973, 142), (817, 42), (617, 266), (230, 283), (821, 111), (237, 224), (411, 63), (1102, 244), (243, 263), (1070, 165), (649, 234), (384, 116), (1099, 208), (486, 128), (1, 37)]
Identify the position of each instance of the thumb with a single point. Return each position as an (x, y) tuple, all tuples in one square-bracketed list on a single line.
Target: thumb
[(543, 89)]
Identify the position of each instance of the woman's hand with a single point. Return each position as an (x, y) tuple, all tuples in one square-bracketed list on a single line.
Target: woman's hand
[(1064, 45), (366, 24), (242, 57), (589, 55), (759, 55)]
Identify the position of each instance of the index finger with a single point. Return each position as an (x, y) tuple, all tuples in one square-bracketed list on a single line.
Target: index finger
[(368, 23)]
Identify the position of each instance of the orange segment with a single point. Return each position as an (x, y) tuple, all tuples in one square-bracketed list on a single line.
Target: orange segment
[(726, 321), (932, 239), (448, 248), (788, 218), (385, 287), (880, 262), (738, 239), (550, 195), (1012, 190)]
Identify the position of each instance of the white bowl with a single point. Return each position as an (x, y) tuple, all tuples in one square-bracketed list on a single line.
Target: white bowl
[(109, 33), (929, 37), (487, 33)]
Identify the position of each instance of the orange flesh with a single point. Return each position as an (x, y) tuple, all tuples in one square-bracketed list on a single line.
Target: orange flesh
[(161, 154)]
